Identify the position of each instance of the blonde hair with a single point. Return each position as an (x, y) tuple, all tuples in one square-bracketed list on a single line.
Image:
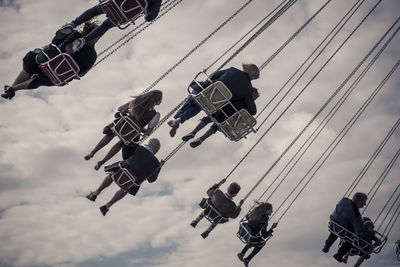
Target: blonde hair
[(143, 103)]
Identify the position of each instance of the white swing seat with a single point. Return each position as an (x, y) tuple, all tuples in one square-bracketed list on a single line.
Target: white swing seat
[(357, 242), (61, 68), (125, 179), (245, 235), (213, 98), (238, 125), (123, 12), (127, 129), (212, 214)]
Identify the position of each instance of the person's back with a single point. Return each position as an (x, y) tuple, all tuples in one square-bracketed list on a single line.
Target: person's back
[(223, 204)]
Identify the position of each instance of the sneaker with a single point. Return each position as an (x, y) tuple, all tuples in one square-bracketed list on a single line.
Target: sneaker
[(338, 258), (104, 210), (240, 256), (246, 262), (92, 196), (193, 224), (188, 137), (204, 235), (9, 92), (65, 30), (75, 46), (196, 143), (325, 249)]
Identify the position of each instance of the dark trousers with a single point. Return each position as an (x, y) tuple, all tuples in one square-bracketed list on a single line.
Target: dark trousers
[(330, 240), (88, 15), (253, 252), (344, 248)]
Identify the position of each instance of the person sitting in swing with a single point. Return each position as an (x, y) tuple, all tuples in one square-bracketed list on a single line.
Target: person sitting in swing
[(32, 77), (347, 215), (221, 201), (220, 117), (237, 81), (257, 223), (152, 12), (142, 164), (141, 109), (354, 251)]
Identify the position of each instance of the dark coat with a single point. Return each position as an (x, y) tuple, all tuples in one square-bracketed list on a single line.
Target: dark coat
[(238, 83), (260, 225), (222, 203), (152, 9), (347, 214)]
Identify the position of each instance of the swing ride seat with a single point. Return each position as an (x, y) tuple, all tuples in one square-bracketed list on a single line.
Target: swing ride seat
[(238, 125), (213, 215), (127, 129), (60, 68), (212, 98), (125, 179), (123, 12), (357, 242), (245, 235)]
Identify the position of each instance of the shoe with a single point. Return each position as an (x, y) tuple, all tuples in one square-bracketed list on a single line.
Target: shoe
[(204, 235), (188, 137), (325, 249), (75, 46), (196, 143), (338, 258), (174, 127), (246, 262), (9, 92), (92, 196), (104, 210), (240, 256), (193, 224), (65, 30)]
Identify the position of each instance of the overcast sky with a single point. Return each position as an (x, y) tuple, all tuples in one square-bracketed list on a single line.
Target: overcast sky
[(45, 219)]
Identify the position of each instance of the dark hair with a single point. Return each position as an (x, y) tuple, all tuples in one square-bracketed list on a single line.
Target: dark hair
[(233, 188), (143, 103), (259, 211), (88, 27), (359, 197), (252, 70), (255, 92)]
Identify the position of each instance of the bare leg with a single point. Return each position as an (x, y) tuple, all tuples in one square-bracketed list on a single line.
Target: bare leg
[(117, 196), (23, 85), (22, 77), (114, 150), (103, 142), (106, 183)]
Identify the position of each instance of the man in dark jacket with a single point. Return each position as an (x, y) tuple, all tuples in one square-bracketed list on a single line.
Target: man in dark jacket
[(222, 202), (32, 77), (237, 81), (220, 117), (152, 12), (142, 164), (347, 215)]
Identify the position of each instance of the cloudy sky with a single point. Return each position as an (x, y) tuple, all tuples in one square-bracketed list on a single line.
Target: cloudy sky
[(45, 219)]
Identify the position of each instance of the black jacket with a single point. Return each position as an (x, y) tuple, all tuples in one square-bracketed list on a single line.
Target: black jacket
[(152, 9)]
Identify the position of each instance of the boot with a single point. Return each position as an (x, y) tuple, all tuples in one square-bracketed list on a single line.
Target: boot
[(104, 210), (92, 196), (9, 92), (65, 30), (196, 143)]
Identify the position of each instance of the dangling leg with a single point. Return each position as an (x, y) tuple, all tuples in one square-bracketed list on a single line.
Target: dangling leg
[(203, 122), (196, 221), (103, 142), (243, 252), (187, 111), (344, 248), (213, 129), (9, 91), (114, 150), (22, 77), (209, 229), (251, 255), (117, 196), (99, 31), (106, 183), (329, 242)]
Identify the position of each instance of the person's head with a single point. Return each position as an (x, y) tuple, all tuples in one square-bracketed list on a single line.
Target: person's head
[(263, 208), (154, 144), (87, 28), (233, 189), (255, 93), (145, 102), (359, 199), (251, 70)]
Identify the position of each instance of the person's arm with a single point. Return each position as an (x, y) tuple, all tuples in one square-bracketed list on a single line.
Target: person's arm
[(152, 124), (152, 10), (266, 233), (211, 190), (250, 105), (236, 212)]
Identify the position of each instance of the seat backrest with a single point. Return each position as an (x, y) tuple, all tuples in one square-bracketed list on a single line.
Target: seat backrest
[(127, 129), (123, 11), (124, 179), (238, 125), (60, 69), (213, 98)]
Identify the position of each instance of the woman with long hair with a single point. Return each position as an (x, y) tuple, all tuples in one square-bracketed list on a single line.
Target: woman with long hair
[(257, 223), (32, 77), (141, 109)]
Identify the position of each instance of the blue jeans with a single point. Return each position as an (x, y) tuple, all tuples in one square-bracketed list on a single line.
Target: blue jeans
[(189, 109), (88, 15)]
